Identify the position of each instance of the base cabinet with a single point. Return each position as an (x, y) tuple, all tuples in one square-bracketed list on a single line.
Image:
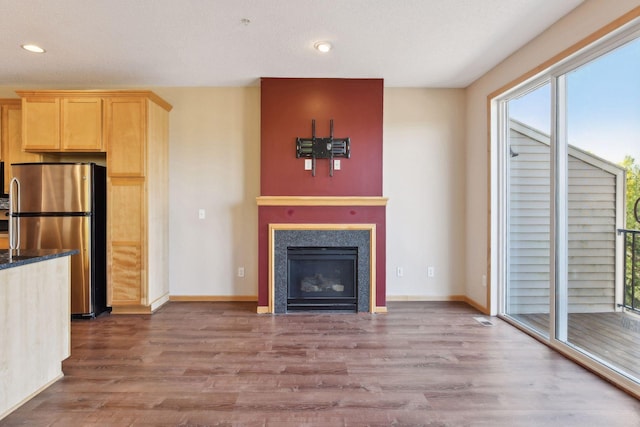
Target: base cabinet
[(35, 302)]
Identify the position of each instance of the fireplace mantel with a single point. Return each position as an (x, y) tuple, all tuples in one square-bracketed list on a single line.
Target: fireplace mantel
[(317, 213), (321, 201)]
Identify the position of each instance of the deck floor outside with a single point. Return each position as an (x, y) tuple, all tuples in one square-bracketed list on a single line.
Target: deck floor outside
[(613, 337)]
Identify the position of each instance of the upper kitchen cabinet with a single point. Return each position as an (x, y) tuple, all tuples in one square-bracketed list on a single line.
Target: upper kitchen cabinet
[(11, 139), (127, 136), (82, 124), (62, 121)]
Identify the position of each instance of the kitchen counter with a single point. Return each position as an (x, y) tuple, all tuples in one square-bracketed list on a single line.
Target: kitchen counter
[(9, 258), (35, 322)]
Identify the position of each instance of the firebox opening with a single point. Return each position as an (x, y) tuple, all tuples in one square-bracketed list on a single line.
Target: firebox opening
[(322, 278)]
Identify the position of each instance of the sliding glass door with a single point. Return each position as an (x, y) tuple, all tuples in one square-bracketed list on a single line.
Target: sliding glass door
[(601, 110), (569, 149), (527, 159)]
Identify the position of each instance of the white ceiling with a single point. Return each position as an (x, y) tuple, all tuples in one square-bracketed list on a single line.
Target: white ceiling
[(129, 43)]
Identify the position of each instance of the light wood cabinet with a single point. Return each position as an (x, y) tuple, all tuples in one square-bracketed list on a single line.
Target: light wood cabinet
[(4, 241), (127, 236), (11, 139), (133, 129), (127, 135), (81, 124), (137, 137), (61, 123)]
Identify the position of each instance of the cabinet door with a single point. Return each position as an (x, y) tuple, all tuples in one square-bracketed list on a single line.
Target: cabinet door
[(126, 242), (41, 124), (12, 142), (126, 120), (82, 124)]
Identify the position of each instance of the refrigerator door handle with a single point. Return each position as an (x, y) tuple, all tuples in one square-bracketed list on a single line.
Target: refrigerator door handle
[(14, 223)]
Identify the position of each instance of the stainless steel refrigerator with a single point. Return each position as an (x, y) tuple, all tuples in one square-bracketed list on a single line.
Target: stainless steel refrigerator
[(63, 206)]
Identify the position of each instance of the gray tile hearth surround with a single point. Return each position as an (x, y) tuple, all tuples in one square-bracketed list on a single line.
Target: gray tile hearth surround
[(284, 239)]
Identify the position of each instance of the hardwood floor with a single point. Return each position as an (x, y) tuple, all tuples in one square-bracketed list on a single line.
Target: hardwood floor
[(423, 363)]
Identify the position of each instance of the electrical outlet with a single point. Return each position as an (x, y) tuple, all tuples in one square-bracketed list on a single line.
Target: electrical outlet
[(484, 280), (431, 272), (201, 213), (308, 165), (241, 272), (399, 272), (336, 164)]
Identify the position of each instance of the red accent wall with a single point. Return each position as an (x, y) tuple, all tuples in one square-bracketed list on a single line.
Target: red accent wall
[(287, 108)]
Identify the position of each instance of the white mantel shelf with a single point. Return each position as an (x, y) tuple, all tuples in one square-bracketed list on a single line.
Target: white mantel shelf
[(321, 201)]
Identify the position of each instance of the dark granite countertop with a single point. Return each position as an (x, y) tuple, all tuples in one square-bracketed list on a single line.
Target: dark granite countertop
[(16, 258)]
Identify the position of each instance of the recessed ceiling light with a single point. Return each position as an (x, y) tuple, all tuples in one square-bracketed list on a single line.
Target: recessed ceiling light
[(33, 48), (323, 47)]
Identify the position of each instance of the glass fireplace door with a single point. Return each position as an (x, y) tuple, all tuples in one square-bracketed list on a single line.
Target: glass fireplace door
[(322, 278)]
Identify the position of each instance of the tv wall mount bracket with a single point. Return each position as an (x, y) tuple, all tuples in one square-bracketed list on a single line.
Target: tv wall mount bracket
[(322, 148)]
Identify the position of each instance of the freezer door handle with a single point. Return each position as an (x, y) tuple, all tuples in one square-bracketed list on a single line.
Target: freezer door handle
[(14, 204)]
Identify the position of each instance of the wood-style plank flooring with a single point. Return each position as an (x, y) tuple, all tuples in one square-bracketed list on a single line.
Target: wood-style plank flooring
[(423, 363)]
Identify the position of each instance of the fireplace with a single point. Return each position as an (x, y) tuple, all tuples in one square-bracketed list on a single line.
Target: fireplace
[(322, 278), (332, 267)]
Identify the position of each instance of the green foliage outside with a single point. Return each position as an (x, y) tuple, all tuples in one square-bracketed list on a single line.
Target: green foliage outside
[(632, 284), (633, 190)]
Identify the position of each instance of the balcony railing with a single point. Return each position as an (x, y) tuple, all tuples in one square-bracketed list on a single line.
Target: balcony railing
[(631, 269)]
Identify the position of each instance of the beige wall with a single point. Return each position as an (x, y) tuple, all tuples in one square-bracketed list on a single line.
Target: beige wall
[(584, 20), (424, 174), (6, 92), (214, 164)]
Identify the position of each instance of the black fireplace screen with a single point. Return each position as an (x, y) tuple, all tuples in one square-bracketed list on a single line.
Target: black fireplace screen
[(322, 278)]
